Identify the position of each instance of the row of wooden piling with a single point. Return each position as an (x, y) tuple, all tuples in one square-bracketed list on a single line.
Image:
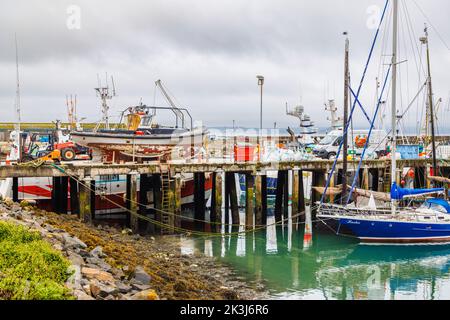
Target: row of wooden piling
[(166, 188)]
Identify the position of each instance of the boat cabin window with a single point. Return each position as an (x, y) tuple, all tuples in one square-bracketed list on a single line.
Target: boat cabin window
[(109, 178), (146, 121)]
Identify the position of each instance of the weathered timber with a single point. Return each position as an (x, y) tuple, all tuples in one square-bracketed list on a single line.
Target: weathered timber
[(258, 200), (94, 169), (134, 220), (216, 201), (264, 199), (199, 200), (157, 200), (235, 219), (249, 195), (74, 199), (85, 200)]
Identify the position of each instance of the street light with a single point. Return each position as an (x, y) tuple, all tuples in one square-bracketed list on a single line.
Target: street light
[(260, 84)]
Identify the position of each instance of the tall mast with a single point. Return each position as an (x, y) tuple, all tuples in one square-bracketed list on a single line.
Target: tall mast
[(424, 40), (346, 100), (394, 100), (19, 118)]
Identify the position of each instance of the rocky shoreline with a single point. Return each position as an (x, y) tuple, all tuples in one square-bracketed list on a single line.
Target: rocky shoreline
[(109, 263)]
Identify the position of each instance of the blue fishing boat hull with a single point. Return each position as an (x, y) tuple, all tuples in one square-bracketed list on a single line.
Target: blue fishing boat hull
[(271, 185), (375, 231)]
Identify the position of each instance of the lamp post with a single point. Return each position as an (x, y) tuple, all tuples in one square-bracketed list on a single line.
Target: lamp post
[(260, 84)]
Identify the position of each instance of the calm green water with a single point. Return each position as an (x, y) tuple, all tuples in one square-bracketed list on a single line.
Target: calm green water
[(330, 267)]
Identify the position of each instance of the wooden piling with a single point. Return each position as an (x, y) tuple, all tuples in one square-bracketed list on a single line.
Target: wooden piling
[(375, 177), (286, 195), (15, 189), (301, 197), (227, 201), (145, 184), (279, 196), (249, 195), (74, 201), (366, 178), (56, 194), (318, 180), (295, 197), (235, 219), (93, 198), (199, 200), (157, 200), (216, 201), (264, 200), (177, 201), (134, 220), (85, 200), (258, 200), (64, 195)]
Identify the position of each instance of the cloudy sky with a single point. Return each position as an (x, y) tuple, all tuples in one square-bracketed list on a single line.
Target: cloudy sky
[(208, 54)]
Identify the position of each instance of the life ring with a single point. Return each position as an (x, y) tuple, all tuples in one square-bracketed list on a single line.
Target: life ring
[(360, 142)]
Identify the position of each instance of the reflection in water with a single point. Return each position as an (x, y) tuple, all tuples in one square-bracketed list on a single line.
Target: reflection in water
[(295, 265)]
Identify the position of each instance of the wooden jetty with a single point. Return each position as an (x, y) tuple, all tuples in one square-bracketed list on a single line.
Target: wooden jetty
[(165, 181)]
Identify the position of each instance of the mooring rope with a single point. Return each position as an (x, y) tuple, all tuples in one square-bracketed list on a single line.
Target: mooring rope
[(179, 229)]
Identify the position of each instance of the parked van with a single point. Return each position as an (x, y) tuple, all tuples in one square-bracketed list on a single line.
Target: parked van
[(328, 147)]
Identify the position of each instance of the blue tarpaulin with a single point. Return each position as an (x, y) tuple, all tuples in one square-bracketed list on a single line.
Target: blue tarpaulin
[(398, 193)]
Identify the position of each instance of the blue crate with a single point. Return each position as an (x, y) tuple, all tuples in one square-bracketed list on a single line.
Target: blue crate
[(408, 152)]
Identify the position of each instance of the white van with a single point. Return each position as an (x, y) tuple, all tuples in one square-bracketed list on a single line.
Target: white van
[(329, 145)]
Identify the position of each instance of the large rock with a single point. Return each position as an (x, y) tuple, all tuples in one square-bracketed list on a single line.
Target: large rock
[(73, 242), (74, 281), (75, 258), (140, 276), (81, 295), (98, 252), (98, 274), (139, 286), (123, 287), (100, 263), (145, 295), (100, 290)]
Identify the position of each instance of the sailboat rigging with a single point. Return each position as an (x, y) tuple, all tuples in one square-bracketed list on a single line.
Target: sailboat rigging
[(395, 223)]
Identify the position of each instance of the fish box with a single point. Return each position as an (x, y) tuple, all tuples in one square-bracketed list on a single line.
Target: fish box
[(244, 153), (408, 152)]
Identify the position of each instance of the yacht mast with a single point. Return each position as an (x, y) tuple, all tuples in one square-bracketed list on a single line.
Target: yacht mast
[(19, 118), (345, 137), (424, 40), (394, 101)]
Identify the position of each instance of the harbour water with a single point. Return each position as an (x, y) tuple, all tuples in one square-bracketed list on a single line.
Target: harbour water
[(292, 266)]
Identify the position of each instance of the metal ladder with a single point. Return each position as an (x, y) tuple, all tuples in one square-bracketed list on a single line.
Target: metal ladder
[(387, 177), (166, 218)]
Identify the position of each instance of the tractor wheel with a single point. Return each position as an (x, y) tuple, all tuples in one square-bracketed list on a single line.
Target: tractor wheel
[(68, 154)]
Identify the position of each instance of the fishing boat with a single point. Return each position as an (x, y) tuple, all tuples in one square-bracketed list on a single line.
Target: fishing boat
[(140, 136), (394, 223)]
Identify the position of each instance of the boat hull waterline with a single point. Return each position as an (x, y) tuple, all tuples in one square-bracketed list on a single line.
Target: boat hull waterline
[(391, 232)]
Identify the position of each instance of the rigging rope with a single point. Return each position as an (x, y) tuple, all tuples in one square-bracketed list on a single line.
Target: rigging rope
[(354, 103), (368, 137)]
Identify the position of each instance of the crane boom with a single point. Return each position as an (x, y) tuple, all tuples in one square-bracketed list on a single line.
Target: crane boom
[(178, 113)]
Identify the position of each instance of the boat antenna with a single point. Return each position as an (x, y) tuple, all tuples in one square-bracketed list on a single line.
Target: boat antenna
[(424, 41), (394, 102), (17, 106), (104, 94)]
